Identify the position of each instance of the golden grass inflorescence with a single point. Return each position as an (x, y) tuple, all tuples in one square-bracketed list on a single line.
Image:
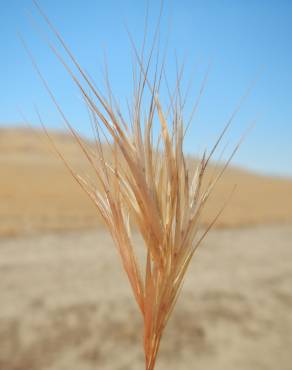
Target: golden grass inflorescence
[(145, 183)]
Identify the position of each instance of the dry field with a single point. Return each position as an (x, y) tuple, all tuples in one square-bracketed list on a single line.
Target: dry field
[(38, 194), (66, 304)]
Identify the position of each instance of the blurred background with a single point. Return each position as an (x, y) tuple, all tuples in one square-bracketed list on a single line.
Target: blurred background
[(61, 305)]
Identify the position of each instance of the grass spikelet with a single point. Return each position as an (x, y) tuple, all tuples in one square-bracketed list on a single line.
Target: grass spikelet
[(145, 183)]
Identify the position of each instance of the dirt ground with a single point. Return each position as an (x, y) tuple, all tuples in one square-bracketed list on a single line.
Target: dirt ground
[(66, 304)]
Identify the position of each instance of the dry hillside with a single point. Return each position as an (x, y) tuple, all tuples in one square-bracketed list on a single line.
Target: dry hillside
[(37, 193)]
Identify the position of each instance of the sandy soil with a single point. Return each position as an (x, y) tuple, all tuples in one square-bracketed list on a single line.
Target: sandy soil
[(65, 304), (37, 193)]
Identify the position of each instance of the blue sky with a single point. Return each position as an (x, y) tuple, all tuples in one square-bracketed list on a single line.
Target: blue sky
[(242, 41)]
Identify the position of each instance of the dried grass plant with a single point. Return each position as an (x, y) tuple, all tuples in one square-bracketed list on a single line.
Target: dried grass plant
[(144, 183)]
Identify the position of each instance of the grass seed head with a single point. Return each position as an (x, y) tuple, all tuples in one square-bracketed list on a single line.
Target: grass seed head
[(143, 181)]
